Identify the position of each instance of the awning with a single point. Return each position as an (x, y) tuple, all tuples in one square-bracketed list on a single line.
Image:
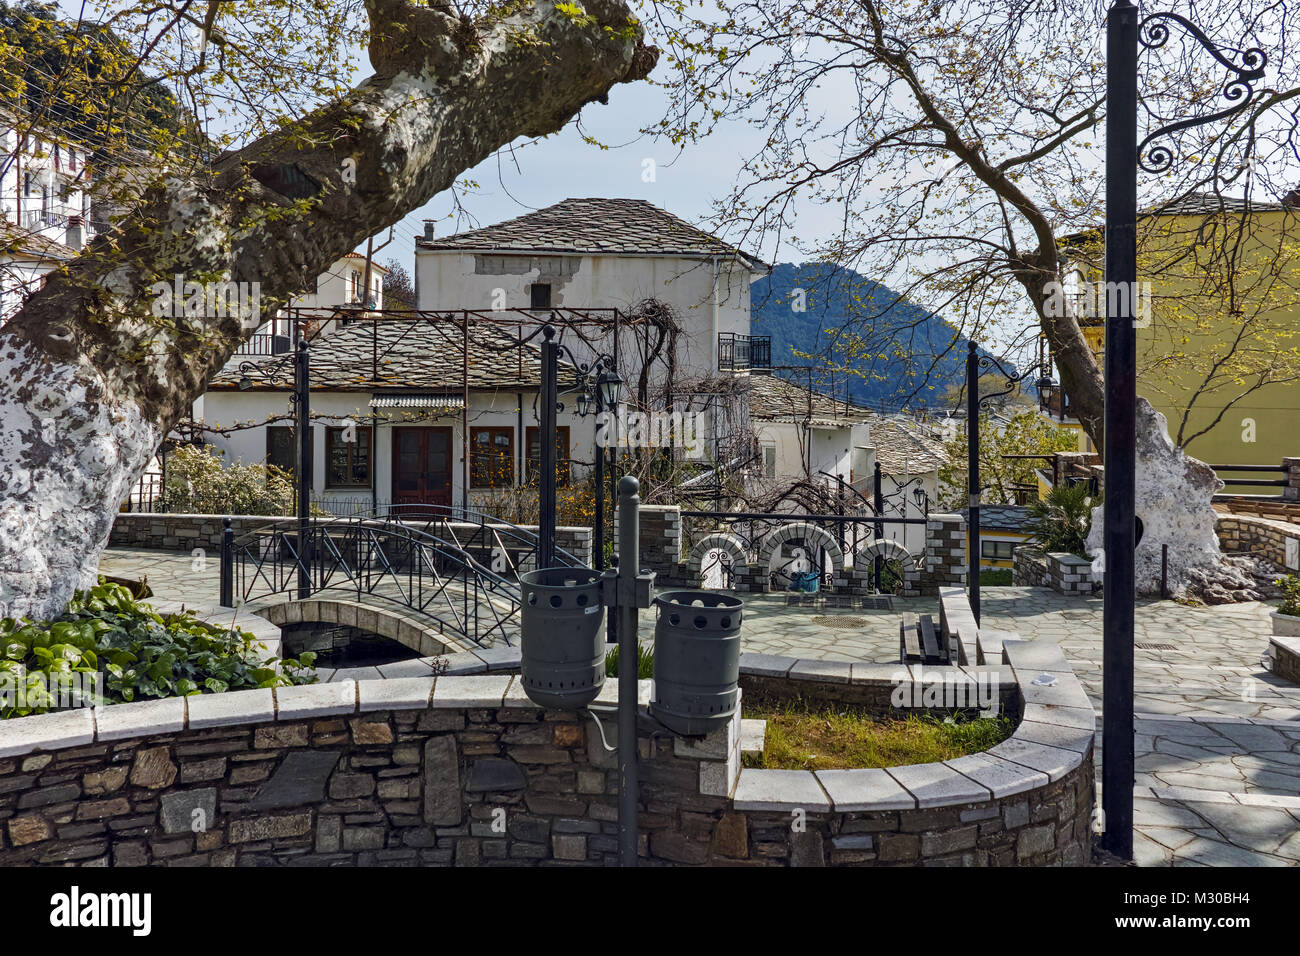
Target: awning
[(424, 401)]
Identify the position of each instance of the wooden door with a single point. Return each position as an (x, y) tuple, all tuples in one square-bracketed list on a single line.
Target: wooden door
[(422, 466)]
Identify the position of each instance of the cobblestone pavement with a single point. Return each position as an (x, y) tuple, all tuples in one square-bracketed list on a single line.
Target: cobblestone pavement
[(1217, 736)]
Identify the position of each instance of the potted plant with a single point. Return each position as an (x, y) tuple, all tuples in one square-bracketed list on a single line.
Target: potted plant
[(1286, 619), (1061, 521)]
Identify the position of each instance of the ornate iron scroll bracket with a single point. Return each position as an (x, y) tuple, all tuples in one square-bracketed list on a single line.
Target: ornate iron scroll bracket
[(1012, 380), (1153, 34)]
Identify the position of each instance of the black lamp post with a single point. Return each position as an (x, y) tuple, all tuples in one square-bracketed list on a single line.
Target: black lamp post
[(974, 402), (599, 388), (300, 401), (1124, 155), (602, 390)]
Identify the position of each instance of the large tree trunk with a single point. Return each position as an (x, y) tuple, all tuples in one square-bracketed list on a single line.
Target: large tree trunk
[(1174, 492), (91, 380)]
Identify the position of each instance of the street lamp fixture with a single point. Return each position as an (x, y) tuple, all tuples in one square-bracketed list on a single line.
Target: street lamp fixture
[(1125, 34), (609, 387), (599, 372)]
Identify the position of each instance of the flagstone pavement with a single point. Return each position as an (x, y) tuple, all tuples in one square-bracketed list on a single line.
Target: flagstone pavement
[(1217, 735)]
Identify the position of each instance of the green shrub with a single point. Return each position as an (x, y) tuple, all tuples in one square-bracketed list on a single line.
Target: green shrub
[(1290, 586), (198, 483), (138, 654), (1062, 520), (645, 662)]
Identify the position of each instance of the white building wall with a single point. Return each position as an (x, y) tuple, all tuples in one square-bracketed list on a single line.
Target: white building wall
[(450, 279), (42, 191), (43, 187), (224, 408)]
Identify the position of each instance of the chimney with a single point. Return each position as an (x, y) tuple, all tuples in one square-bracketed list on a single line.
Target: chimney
[(73, 237), (1292, 199), (428, 229)]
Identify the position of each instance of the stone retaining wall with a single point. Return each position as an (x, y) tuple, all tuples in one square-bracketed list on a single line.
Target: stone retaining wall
[(1029, 568), (1267, 538), (1286, 658), (467, 771), (1070, 574)]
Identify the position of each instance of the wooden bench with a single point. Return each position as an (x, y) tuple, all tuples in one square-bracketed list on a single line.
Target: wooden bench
[(918, 641)]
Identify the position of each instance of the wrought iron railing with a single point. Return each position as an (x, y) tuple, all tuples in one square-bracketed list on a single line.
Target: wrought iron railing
[(459, 568), (740, 352)]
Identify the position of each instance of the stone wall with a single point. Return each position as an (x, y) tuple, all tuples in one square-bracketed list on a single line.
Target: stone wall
[(1285, 652), (945, 555), (467, 771), (1070, 574), (185, 532), (1268, 538), (1029, 568), (659, 541), (1292, 490)]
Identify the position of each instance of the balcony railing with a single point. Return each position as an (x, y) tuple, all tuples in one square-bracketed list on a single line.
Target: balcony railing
[(276, 337), (744, 352)]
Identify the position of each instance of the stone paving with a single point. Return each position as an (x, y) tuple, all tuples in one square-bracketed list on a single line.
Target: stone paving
[(1217, 736)]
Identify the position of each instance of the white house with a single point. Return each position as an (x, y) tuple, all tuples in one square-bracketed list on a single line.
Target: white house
[(601, 253), (806, 435), (451, 411), (45, 206), (442, 404)]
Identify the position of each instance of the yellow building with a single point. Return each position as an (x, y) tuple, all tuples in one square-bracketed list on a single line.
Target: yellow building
[(1218, 327), (1002, 527)]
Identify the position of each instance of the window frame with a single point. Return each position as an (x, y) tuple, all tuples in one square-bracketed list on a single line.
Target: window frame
[(563, 459), (997, 544), (507, 480), (331, 441), (311, 446)]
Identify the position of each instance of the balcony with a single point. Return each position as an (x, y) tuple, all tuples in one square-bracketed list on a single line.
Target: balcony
[(737, 353)]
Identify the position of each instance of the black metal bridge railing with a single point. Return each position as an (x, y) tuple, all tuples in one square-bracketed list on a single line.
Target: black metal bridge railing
[(459, 568)]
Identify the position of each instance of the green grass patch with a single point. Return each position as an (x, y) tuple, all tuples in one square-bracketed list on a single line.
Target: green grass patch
[(645, 662), (803, 736), (995, 578)]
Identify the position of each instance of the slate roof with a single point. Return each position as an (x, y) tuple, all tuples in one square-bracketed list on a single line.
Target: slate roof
[(423, 356), (1208, 204), (595, 226), (903, 447), (19, 243), (1201, 204), (772, 398), (1001, 517)]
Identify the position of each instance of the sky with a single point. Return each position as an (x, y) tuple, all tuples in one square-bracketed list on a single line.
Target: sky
[(685, 182)]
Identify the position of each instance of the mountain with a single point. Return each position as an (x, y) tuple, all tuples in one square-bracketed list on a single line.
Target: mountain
[(900, 354)]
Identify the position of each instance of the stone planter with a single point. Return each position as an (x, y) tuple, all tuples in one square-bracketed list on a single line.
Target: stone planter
[(1285, 625), (1070, 574)]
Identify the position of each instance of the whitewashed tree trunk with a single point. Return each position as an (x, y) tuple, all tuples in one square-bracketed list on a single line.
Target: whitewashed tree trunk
[(91, 380), (1174, 495)]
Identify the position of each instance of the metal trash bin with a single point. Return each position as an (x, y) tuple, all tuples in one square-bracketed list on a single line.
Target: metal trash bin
[(697, 660), (562, 641)]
